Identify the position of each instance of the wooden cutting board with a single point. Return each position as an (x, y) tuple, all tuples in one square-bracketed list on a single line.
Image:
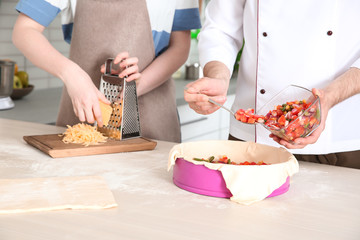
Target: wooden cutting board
[(53, 145)]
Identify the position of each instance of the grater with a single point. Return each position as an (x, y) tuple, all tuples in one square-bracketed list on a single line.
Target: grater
[(124, 121)]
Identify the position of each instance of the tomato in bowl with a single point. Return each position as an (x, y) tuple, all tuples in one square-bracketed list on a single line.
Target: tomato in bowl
[(292, 119)]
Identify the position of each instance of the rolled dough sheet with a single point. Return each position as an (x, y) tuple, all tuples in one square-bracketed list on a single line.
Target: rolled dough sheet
[(55, 193)]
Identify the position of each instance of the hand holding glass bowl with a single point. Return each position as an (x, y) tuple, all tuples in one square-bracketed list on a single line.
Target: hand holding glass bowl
[(292, 113)]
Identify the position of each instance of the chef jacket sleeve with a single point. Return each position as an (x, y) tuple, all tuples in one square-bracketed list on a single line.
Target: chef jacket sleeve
[(222, 34), (356, 64)]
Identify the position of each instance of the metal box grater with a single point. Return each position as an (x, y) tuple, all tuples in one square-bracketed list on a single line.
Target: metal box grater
[(124, 121)]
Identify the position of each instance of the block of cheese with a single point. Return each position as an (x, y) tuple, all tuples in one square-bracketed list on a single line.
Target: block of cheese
[(106, 111)]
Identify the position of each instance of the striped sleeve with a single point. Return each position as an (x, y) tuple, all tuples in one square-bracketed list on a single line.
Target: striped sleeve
[(41, 11), (186, 16)]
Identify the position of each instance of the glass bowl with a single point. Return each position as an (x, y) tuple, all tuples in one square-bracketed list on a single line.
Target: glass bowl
[(300, 109)]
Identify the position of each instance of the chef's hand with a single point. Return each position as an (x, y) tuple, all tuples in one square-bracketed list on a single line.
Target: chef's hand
[(312, 138), (127, 66), (84, 94), (214, 85), (198, 93)]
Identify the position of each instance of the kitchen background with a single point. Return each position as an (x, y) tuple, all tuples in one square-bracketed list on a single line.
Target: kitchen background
[(41, 105), (39, 78)]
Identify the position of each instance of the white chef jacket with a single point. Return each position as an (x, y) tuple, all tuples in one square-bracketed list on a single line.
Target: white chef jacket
[(302, 42)]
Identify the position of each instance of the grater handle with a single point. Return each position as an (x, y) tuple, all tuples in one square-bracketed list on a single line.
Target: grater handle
[(108, 66)]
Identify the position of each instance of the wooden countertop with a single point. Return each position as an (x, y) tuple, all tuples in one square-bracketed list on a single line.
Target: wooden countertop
[(322, 202)]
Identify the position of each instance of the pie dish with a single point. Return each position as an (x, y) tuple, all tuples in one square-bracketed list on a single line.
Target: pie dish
[(244, 184), (199, 179)]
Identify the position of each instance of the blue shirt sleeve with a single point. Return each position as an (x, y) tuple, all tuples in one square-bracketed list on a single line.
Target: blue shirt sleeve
[(39, 10), (186, 19)]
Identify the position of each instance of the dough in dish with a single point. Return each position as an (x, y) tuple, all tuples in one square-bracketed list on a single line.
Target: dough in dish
[(56, 193), (247, 184)]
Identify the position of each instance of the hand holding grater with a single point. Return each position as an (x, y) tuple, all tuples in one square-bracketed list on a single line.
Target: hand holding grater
[(124, 121)]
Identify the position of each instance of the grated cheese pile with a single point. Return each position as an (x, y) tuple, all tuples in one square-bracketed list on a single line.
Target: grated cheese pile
[(84, 134)]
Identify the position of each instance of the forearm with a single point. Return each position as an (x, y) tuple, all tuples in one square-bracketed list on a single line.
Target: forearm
[(217, 70), (345, 86), (342, 88), (28, 38), (166, 64)]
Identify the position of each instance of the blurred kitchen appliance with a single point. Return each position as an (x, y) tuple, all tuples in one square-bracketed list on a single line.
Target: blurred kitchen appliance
[(193, 71), (7, 69), (124, 121)]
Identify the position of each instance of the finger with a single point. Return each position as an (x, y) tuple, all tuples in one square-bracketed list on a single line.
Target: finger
[(206, 112), (305, 141), (302, 141), (202, 86), (121, 56), (133, 77), (75, 110), (203, 107), (283, 142), (102, 68), (311, 139), (81, 115), (129, 62), (89, 115), (195, 97), (290, 145), (316, 92), (192, 89), (219, 99), (198, 86), (128, 71), (78, 110), (102, 98), (275, 138), (198, 110)]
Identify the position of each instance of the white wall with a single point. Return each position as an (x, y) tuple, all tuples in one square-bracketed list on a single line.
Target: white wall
[(37, 77)]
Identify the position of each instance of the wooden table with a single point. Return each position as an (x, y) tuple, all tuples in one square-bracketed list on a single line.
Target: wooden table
[(322, 202)]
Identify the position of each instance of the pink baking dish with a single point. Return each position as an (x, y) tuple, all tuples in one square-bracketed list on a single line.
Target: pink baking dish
[(202, 180)]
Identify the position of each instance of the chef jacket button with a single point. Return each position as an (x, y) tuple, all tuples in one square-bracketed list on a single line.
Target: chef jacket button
[(265, 34), (329, 33), (262, 91)]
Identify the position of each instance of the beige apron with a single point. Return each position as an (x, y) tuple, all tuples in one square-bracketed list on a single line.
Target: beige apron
[(102, 29)]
